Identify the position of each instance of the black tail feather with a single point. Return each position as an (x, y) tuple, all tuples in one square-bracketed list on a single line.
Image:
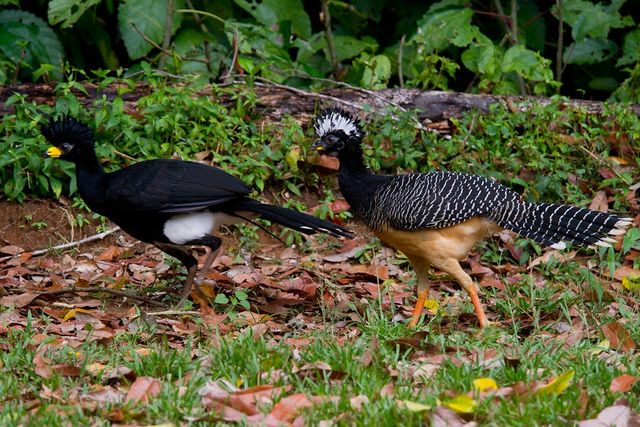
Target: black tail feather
[(299, 221)]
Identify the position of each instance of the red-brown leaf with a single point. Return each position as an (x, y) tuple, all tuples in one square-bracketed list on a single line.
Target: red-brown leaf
[(289, 407), (42, 366), (599, 202), (18, 301), (143, 389), (623, 383), (618, 336)]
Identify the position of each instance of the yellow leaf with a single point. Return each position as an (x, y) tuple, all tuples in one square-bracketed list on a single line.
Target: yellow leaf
[(600, 347), (461, 403), (415, 406), (72, 313), (484, 384), (558, 384), (432, 306), (292, 157), (631, 283)]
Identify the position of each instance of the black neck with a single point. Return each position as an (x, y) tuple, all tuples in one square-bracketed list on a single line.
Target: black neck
[(352, 159), (89, 173), (357, 182)]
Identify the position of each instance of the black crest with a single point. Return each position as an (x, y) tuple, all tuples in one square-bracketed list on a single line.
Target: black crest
[(66, 129)]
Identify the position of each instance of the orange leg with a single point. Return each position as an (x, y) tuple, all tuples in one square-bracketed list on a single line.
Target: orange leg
[(452, 267), (475, 300), (421, 268), (417, 310)]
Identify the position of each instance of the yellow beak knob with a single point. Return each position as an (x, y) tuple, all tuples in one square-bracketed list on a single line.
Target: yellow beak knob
[(54, 152)]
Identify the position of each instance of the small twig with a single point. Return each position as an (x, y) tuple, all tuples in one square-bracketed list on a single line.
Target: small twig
[(174, 313), (204, 29), (168, 30), (234, 59), (151, 42), (117, 292), (400, 55), (123, 155), (329, 35), (559, 64), (98, 236)]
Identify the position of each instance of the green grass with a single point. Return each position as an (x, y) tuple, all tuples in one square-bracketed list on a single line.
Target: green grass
[(520, 351)]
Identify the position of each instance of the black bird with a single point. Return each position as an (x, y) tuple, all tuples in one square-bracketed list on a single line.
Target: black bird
[(435, 218), (169, 203)]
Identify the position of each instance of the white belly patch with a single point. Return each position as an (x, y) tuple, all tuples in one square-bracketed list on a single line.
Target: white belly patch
[(183, 228)]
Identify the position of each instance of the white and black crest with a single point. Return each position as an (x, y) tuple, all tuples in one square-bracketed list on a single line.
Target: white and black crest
[(336, 119)]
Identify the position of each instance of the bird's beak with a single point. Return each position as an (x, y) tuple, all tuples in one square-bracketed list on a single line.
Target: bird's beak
[(318, 146), (54, 152)]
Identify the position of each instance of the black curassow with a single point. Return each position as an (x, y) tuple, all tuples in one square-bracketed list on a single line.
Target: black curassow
[(435, 218), (169, 203)]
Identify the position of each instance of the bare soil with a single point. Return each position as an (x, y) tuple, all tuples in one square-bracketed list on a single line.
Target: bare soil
[(40, 224)]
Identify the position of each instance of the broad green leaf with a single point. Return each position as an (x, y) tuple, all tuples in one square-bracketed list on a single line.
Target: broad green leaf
[(630, 49), (272, 12), (68, 12), (147, 17), (377, 72), (589, 51), (558, 384), (349, 47), (529, 64), (42, 46), (589, 19), (462, 404), (436, 31), (481, 58), (221, 299), (484, 384)]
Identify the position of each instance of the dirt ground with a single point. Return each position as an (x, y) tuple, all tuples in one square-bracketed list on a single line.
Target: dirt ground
[(40, 224)]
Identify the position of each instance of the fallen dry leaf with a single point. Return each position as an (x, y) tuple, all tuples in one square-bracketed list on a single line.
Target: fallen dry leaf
[(623, 383), (357, 402), (18, 301), (613, 416), (599, 202), (288, 408), (445, 417), (618, 336), (42, 366), (143, 389)]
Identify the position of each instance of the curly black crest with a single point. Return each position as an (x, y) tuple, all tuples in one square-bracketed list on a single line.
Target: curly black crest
[(66, 129)]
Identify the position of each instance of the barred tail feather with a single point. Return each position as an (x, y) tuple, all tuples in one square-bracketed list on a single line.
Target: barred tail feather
[(556, 225)]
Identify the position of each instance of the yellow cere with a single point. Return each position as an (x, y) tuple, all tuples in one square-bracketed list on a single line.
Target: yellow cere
[(54, 152)]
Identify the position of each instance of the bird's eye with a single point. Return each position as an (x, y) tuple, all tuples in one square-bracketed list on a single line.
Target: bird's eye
[(66, 147)]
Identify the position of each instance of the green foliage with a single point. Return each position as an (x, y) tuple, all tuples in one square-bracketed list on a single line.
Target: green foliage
[(142, 23), (449, 44), (26, 42), (67, 12)]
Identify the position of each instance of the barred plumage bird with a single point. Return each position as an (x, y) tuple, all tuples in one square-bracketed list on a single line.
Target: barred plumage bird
[(435, 218)]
